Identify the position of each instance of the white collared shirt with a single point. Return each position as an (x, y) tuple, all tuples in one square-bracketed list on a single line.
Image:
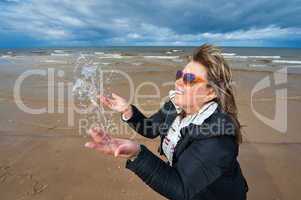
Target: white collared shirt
[(174, 135)]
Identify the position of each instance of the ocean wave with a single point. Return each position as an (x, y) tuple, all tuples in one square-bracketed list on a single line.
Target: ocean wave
[(39, 52), (105, 63), (55, 61), (176, 50), (287, 61), (228, 54), (236, 57), (6, 56), (61, 51), (60, 54), (251, 57), (161, 57), (109, 55), (101, 63), (177, 60), (257, 65), (58, 51), (173, 51), (99, 53), (4, 61), (266, 57)]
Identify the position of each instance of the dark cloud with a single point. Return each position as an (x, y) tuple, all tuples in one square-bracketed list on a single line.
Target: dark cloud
[(178, 22)]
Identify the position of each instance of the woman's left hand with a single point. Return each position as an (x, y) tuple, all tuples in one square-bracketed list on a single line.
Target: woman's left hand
[(106, 144)]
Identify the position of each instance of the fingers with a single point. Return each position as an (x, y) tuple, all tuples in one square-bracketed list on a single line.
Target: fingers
[(118, 147), (127, 149), (121, 151), (104, 148), (116, 152), (105, 100), (98, 135), (91, 145), (116, 97)]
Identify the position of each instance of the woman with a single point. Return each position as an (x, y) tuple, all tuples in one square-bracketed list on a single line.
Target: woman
[(199, 130)]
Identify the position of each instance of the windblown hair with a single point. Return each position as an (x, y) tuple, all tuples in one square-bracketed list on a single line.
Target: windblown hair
[(219, 77)]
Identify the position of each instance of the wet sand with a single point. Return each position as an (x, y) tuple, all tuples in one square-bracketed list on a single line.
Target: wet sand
[(42, 158)]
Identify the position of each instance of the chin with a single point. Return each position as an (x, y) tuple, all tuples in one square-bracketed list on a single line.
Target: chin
[(179, 101), (183, 101)]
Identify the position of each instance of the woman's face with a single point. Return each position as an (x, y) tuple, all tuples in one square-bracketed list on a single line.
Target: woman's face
[(191, 97)]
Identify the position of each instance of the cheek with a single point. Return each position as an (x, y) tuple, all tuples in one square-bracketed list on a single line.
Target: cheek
[(199, 93), (188, 97), (193, 95), (195, 91)]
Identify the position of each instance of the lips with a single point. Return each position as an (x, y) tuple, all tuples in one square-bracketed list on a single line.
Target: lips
[(179, 91)]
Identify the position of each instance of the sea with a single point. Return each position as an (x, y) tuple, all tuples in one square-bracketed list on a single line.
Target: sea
[(246, 58)]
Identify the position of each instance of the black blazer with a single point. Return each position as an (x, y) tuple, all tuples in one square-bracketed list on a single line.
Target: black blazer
[(205, 162)]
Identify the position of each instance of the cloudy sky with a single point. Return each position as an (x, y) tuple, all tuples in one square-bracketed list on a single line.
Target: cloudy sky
[(41, 23)]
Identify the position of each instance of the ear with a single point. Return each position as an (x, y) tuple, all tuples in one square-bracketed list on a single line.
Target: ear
[(211, 94)]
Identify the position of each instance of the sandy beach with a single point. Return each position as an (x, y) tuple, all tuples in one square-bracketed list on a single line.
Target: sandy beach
[(42, 157)]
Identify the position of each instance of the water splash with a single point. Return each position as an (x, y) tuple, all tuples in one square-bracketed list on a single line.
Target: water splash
[(89, 82)]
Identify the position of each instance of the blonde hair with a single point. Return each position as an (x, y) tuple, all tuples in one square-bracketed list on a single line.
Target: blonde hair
[(220, 79)]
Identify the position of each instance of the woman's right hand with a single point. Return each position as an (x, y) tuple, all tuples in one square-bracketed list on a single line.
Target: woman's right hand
[(117, 104)]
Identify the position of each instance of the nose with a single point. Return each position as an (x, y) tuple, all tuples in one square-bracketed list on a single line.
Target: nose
[(179, 82)]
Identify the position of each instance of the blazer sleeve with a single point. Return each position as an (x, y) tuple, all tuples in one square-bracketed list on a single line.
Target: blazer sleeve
[(202, 163), (149, 126)]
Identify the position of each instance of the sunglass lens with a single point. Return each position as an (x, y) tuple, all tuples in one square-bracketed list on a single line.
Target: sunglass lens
[(179, 74), (189, 78)]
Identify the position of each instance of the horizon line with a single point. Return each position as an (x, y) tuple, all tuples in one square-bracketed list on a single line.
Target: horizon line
[(116, 46)]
